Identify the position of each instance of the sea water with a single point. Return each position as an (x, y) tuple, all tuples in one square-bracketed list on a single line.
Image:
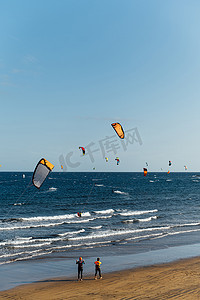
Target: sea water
[(121, 213)]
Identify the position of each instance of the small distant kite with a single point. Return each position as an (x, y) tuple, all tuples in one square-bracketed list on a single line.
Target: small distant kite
[(83, 150), (170, 163), (145, 171), (147, 164), (168, 172), (106, 158), (118, 161), (185, 168), (119, 130), (61, 167), (42, 170)]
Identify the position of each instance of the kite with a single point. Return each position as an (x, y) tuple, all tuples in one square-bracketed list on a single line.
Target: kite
[(117, 159), (42, 170), (185, 168), (119, 130), (145, 171), (61, 167), (170, 163), (106, 158), (168, 172), (147, 164), (83, 149)]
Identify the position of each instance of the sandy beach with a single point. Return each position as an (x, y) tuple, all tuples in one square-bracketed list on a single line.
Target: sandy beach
[(176, 280)]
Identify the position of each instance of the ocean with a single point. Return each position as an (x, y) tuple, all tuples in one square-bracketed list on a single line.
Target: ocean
[(122, 213)]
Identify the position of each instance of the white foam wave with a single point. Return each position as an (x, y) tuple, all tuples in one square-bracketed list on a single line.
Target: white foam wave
[(136, 213), (52, 189), (86, 214), (32, 226), (71, 232), (99, 185), (95, 227), (145, 236), (32, 245), (48, 218), (120, 192), (79, 221), (148, 219), (104, 217), (108, 233), (16, 241), (186, 224), (107, 211)]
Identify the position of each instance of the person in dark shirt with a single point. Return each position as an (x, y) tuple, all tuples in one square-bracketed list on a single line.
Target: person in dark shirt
[(80, 263)]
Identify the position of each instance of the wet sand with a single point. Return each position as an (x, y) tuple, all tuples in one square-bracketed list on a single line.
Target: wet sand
[(176, 280)]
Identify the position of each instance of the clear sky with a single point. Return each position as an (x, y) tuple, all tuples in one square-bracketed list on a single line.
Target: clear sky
[(70, 68)]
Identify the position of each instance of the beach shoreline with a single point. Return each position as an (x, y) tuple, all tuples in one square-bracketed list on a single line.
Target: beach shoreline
[(174, 280), (26, 272)]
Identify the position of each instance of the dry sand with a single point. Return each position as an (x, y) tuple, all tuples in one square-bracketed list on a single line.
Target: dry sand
[(177, 280)]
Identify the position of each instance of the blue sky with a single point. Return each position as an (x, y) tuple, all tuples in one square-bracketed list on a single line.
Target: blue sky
[(68, 69)]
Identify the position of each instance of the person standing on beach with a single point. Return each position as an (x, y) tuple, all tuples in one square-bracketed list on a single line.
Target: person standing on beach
[(97, 268), (80, 263)]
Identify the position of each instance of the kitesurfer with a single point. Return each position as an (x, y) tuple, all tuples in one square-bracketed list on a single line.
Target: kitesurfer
[(79, 214), (80, 263), (97, 268)]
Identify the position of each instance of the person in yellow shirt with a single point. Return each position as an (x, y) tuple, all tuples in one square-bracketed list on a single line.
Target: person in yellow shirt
[(97, 268)]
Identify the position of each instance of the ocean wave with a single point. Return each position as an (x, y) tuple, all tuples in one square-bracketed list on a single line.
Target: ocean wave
[(136, 213), (103, 234), (107, 211), (31, 226), (130, 221), (86, 214), (79, 221), (186, 224), (154, 235), (32, 245), (104, 217), (49, 218), (16, 241), (37, 242), (52, 189), (120, 192), (95, 227), (140, 220), (71, 232), (99, 185), (148, 219)]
